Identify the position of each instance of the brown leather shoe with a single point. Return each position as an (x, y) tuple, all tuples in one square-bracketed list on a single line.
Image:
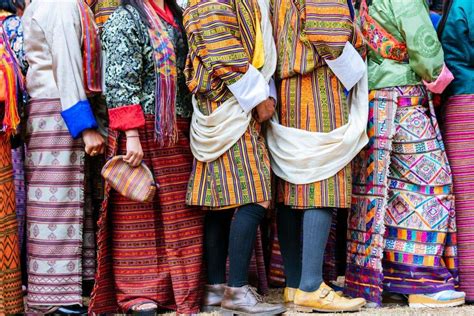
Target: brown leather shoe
[(246, 301), (213, 295)]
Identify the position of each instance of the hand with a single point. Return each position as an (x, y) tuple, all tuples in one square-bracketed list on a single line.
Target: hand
[(94, 143), (134, 154), (265, 110)]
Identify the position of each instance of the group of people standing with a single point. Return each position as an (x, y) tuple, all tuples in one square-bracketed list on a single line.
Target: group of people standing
[(243, 110)]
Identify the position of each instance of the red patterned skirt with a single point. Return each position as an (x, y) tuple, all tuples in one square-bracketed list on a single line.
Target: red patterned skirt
[(151, 252)]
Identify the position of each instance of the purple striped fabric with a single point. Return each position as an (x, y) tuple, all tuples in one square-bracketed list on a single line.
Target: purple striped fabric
[(459, 141), (20, 193)]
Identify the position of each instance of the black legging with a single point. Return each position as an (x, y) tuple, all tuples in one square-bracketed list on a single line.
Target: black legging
[(234, 237), (303, 265)]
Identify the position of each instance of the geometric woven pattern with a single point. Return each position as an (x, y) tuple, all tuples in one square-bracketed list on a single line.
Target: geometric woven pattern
[(54, 166), (11, 300), (402, 228)]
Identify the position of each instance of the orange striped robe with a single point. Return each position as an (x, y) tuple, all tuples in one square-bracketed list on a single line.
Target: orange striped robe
[(221, 39), (310, 96)]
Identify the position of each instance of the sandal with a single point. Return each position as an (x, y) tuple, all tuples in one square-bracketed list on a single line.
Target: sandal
[(71, 310), (144, 309)]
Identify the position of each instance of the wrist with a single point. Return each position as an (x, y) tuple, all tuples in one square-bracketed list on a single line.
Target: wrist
[(132, 133), (87, 131)]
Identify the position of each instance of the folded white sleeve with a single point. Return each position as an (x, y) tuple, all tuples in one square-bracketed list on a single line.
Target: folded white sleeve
[(349, 67), (273, 90), (251, 89)]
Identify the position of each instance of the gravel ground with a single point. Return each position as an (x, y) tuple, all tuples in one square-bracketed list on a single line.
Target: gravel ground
[(392, 310)]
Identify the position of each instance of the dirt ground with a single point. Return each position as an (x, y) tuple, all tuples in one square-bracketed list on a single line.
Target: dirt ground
[(393, 310)]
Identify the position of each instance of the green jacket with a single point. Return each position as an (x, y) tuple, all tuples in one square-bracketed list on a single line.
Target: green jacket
[(409, 22)]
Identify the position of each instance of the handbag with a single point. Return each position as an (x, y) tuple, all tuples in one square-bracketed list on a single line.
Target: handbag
[(135, 183)]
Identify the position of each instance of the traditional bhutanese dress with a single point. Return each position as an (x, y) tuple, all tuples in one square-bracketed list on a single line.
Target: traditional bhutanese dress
[(311, 97), (457, 37), (60, 236), (221, 39), (11, 298), (148, 252), (402, 229), (14, 30)]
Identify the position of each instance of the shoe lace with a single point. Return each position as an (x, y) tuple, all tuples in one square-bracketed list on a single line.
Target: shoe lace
[(255, 293)]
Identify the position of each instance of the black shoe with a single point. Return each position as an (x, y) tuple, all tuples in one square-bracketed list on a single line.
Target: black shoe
[(71, 310), (145, 312)]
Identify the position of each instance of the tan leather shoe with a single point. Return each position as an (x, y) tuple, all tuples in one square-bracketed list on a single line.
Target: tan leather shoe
[(246, 301), (213, 295), (289, 295), (325, 300)]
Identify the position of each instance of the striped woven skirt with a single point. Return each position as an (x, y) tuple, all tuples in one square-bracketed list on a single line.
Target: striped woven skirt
[(402, 225), (11, 298), (458, 123), (151, 252), (54, 168)]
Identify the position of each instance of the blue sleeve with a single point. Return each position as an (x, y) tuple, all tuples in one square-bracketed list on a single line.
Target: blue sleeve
[(78, 118)]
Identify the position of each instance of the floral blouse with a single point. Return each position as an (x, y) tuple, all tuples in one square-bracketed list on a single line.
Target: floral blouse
[(14, 30), (130, 74)]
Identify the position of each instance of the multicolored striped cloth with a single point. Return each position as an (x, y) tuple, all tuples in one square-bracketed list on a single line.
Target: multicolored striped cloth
[(12, 83), (91, 54), (458, 128), (137, 183), (402, 225)]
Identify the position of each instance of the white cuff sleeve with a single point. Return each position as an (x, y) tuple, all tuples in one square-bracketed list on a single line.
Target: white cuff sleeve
[(251, 89), (349, 67), (273, 89)]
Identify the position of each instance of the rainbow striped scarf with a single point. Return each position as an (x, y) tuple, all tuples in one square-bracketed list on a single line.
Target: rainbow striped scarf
[(91, 51), (166, 80)]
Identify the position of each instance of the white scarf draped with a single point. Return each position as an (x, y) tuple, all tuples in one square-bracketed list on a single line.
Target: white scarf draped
[(213, 135), (303, 157)]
